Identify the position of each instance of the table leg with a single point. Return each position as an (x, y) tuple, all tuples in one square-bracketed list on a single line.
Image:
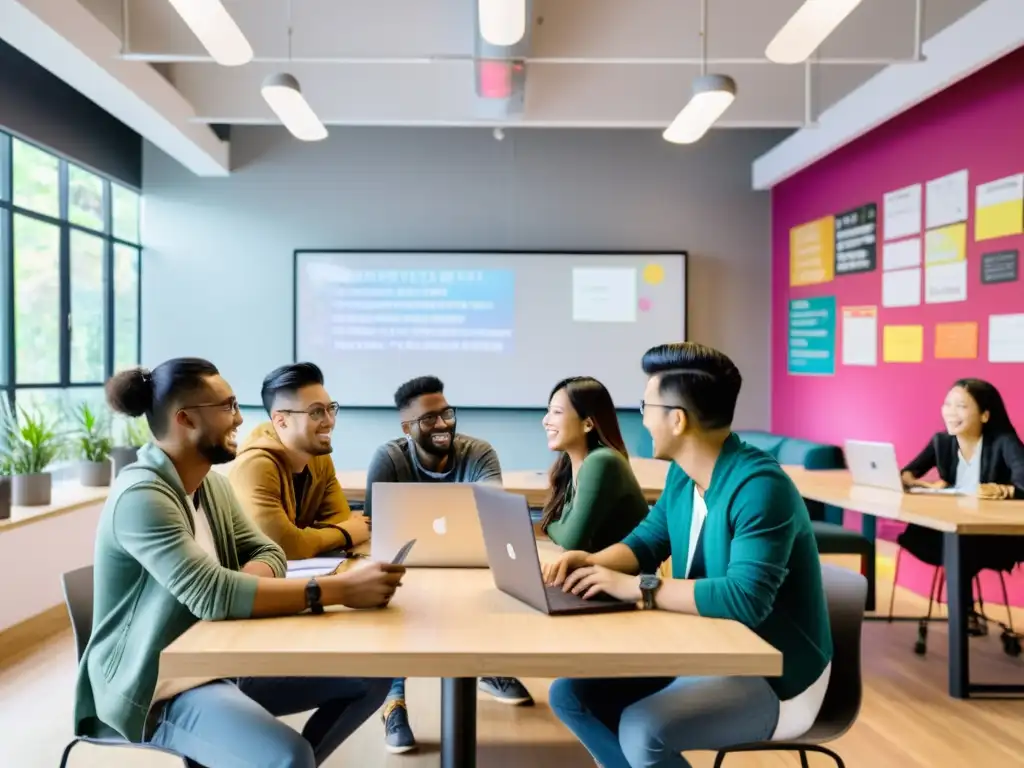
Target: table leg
[(959, 602), (458, 722)]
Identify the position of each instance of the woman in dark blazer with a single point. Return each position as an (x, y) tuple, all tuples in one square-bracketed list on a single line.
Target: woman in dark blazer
[(979, 453)]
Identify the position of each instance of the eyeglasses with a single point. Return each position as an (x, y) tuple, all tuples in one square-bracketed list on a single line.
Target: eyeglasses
[(427, 420), (644, 404), (228, 406), (317, 412)]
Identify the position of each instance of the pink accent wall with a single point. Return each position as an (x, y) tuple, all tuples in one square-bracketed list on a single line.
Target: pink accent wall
[(977, 124)]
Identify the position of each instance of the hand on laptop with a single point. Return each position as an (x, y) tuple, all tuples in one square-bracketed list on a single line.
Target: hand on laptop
[(591, 580), (358, 527), (556, 572), (371, 586)]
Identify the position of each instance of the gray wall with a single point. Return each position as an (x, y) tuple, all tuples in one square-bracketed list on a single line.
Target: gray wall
[(44, 109), (217, 274)]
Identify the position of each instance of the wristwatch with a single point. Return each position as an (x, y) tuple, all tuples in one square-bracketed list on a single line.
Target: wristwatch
[(649, 583), (313, 596)]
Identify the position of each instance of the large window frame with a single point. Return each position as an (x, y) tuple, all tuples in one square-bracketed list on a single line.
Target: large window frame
[(10, 212)]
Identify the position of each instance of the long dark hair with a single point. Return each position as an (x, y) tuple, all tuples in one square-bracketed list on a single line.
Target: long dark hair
[(988, 399), (590, 400)]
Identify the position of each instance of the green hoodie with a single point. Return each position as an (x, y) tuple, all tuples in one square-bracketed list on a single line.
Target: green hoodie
[(152, 582)]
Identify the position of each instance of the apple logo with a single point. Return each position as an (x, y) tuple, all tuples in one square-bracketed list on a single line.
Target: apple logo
[(441, 526), (874, 465), (511, 551)]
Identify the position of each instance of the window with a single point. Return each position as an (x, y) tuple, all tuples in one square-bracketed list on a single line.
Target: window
[(69, 279)]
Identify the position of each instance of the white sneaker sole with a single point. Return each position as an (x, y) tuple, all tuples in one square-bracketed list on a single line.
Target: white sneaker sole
[(399, 750)]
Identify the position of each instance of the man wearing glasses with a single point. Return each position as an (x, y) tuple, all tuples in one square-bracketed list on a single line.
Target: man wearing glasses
[(284, 475), (430, 451)]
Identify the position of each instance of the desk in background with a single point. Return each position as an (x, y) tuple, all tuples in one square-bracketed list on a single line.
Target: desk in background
[(955, 517)]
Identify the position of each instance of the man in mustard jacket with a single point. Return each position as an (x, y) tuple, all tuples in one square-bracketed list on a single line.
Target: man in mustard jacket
[(284, 476)]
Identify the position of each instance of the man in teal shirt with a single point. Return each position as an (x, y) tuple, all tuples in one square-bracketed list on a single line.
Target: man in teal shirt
[(742, 548)]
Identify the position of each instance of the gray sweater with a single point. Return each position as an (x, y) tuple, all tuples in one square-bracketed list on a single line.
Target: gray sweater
[(471, 461)]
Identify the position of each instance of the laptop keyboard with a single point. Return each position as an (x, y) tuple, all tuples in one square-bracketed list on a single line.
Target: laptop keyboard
[(558, 598)]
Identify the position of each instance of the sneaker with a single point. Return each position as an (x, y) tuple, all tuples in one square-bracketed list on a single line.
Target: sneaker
[(507, 690), (398, 736)]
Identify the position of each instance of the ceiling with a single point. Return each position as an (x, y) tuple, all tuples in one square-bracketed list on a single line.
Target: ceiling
[(585, 63)]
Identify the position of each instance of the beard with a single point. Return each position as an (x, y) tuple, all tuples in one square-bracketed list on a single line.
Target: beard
[(216, 453), (426, 443), (315, 448)]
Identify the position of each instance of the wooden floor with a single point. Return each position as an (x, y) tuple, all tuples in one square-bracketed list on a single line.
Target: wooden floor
[(907, 719)]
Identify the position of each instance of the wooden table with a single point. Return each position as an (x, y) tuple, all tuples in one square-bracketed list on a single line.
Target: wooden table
[(956, 517), (456, 625), (532, 484)]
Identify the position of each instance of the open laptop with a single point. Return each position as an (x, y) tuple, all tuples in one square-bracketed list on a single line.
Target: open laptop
[(515, 564), (441, 517), (873, 464)]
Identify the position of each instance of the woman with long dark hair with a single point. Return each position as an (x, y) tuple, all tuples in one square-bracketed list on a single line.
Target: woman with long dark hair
[(595, 498), (978, 453)]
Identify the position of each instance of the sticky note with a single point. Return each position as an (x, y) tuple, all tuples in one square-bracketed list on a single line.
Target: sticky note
[(903, 343), (956, 341), (654, 274)]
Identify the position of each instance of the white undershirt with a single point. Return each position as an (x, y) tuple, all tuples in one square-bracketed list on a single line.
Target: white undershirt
[(968, 473), (796, 715)]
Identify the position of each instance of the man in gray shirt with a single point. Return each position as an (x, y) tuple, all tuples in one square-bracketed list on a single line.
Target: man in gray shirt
[(432, 452)]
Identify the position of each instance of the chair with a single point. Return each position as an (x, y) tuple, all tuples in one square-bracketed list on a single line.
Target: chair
[(1010, 639), (845, 592), (78, 587)]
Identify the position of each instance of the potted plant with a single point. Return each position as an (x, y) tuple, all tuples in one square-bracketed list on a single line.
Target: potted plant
[(93, 445), (29, 443), (136, 435)]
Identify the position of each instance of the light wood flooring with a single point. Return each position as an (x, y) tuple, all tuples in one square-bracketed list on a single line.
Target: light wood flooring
[(907, 719)]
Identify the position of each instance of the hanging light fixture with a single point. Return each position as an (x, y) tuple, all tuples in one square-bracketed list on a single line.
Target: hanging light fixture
[(712, 95), (282, 92), (218, 33), (806, 29), (502, 22)]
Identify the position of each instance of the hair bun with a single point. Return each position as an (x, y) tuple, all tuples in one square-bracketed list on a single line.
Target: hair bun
[(131, 392)]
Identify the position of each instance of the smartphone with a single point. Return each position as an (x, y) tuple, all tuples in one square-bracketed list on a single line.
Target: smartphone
[(403, 553)]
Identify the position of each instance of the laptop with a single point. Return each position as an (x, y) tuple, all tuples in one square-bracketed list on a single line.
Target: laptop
[(873, 464), (515, 564), (441, 517)]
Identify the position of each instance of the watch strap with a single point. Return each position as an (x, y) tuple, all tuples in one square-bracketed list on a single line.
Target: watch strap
[(313, 596)]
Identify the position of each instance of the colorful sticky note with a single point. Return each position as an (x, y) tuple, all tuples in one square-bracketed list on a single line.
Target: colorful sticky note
[(654, 274), (999, 208), (645, 304), (812, 251), (903, 343), (946, 244), (956, 341)]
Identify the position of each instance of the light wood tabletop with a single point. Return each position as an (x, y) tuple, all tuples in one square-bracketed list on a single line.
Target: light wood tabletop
[(533, 484), (965, 515)]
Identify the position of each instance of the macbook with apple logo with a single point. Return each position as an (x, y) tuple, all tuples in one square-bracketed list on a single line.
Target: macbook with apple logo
[(515, 564), (441, 517)]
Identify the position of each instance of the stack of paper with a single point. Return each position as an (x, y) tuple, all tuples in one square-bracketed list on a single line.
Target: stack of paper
[(312, 566)]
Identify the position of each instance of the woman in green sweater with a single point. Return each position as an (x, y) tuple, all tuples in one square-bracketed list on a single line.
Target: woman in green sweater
[(595, 497)]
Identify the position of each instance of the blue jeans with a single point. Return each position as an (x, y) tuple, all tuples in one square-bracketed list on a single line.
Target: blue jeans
[(647, 723), (233, 723)]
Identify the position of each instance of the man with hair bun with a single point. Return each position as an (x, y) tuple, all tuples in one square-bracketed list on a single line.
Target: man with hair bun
[(173, 548)]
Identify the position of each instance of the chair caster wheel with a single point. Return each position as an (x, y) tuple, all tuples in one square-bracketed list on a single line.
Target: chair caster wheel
[(1011, 643), (921, 646)]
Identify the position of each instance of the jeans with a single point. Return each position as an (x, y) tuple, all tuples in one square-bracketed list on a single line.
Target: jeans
[(397, 690), (647, 723), (233, 723)]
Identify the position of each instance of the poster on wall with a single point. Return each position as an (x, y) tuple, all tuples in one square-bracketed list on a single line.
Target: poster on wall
[(946, 200), (1006, 338), (999, 267), (901, 211), (945, 256), (812, 252), (903, 343), (999, 208), (812, 336), (855, 233), (860, 335), (956, 341)]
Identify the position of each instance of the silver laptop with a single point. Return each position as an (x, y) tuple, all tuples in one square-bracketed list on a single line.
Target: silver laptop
[(441, 517), (515, 564), (873, 464)]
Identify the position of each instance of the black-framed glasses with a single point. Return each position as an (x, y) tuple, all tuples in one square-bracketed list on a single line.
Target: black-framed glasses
[(644, 404), (427, 420), (317, 412), (228, 406)]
